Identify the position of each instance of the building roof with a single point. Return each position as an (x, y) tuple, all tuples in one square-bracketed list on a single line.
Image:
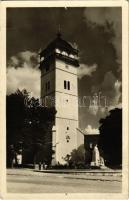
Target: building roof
[(61, 44), (89, 133)]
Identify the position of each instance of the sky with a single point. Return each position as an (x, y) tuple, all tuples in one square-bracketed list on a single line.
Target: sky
[(96, 32)]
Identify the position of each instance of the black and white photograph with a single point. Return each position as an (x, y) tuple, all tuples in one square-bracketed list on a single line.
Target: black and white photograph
[(64, 101)]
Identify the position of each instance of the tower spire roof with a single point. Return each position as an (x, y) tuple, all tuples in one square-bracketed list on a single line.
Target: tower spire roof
[(65, 48)]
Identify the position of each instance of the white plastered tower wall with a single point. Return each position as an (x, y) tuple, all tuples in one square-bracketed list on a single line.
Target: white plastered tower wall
[(67, 110), (65, 100)]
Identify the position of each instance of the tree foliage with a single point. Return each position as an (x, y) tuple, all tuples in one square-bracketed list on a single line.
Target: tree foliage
[(29, 127), (77, 157), (110, 141)]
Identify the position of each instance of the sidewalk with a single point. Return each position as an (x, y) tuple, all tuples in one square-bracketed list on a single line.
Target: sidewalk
[(73, 175), (104, 172)]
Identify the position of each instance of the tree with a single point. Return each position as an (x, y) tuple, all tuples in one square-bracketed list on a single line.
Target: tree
[(77, 157), (40, 121), (110, 141), (15, 115), (29, 127)]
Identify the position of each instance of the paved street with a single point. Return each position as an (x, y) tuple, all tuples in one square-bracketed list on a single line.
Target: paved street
[(28, 181)]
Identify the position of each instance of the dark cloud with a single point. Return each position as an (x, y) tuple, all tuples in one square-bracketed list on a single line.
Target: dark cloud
[(96, 32), (34, 28), (110, 19)]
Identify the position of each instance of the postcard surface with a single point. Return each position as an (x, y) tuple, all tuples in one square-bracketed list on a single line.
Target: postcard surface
[(64, 100)]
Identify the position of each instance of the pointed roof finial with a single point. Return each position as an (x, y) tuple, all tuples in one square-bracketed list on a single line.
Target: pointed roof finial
[(59, 31)]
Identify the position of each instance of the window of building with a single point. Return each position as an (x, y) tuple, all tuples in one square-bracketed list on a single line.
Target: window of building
[(68, 85), (67, 128), (47, 68), (66, 66), (64, 84), (42, 58), (47, 86), (67, 138)]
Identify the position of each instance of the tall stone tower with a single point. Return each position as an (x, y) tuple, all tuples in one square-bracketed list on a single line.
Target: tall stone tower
[(59, 88)]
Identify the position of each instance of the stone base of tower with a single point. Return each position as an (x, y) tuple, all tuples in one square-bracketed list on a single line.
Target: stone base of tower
[(64, 140)]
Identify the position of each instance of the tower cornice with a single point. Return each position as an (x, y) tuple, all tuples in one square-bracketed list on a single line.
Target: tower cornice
[(53, 56)]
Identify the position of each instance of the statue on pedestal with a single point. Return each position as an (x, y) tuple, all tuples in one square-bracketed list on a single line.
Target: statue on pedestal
[(95, 157)]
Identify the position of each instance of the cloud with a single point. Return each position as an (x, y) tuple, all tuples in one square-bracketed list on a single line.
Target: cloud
[(98, 105), (106, 95), (90, 130), (116, 106), (93, 109), (85, 70), (116, 100), (24, 58), (112, 88), (110, 19), (23, 73), (97, 33), (117, 88)]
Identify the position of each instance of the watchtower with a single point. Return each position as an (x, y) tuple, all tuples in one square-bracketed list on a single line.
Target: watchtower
[(59, 88)]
